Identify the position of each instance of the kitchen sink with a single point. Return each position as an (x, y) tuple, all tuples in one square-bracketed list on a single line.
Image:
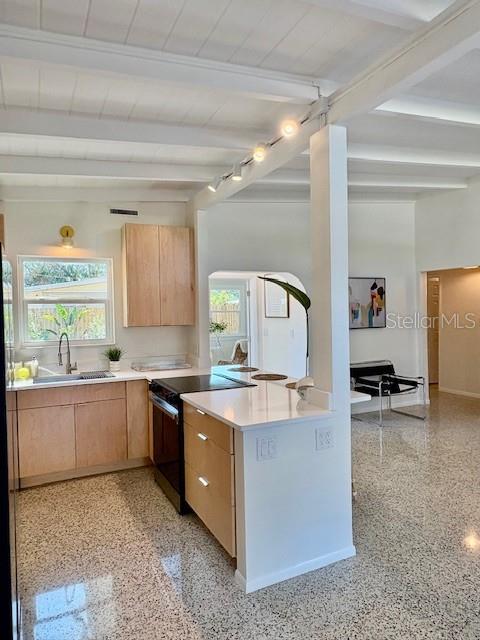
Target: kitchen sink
[(86, 375)]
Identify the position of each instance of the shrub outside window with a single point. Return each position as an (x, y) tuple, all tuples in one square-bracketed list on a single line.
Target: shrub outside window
[(72, 295)]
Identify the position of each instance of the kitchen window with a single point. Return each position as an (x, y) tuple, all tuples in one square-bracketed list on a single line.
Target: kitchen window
[(65, 295)]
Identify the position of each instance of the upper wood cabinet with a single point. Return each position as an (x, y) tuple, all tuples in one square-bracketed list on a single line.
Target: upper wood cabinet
[(158, 282), (141, 282)]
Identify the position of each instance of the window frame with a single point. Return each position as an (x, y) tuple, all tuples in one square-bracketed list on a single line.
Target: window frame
[(242, 284), (23, 302)]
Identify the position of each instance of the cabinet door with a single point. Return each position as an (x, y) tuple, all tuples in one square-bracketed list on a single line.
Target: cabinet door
[(137, 419), (46, 440), (101, 432), (177, 301), (141, 291)]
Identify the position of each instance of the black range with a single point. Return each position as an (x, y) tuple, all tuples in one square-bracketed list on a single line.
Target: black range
[(167, 408)]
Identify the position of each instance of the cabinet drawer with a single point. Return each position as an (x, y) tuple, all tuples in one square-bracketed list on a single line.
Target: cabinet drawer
[(211, 462), (57, 396), (217, 431), (217, 514)]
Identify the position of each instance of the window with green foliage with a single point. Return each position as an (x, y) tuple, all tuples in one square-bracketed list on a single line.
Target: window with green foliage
[(66, 295), (228, 306)]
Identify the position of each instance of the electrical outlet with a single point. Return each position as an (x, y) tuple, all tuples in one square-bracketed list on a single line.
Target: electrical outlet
[(266, 448), (324, 438)]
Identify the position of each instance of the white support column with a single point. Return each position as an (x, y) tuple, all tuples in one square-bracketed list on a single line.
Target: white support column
[(329, 241), (200, 345)]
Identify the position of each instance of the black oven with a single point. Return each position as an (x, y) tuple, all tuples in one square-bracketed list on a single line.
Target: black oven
[(167, 427), (168, 450)]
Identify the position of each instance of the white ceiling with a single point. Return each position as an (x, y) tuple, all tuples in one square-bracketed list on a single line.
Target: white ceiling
[(93, 113)]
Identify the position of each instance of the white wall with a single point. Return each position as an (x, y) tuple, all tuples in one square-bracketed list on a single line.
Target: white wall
[(274, 237), (282, 341), (382, 244), (448, 229), (32, 229)]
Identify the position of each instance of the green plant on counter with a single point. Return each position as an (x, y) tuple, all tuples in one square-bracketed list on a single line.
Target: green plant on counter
[(301, 297), (217, 327), (114, 353)]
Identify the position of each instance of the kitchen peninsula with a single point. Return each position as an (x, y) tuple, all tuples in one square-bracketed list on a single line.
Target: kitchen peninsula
[(257, 460)]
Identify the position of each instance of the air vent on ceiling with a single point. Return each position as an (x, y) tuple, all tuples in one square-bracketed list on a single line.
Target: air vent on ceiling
[(124, 212)]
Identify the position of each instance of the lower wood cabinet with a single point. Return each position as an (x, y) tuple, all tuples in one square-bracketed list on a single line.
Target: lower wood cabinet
[(100, 432), (210, 474), (64, 432), (46, 440), (137, 419)]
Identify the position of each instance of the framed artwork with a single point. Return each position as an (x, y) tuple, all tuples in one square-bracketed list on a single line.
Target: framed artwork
[(367, 303), (277, 301)]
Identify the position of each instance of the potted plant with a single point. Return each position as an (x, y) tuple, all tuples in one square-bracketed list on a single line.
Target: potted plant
[(217, 328), (114, 355)]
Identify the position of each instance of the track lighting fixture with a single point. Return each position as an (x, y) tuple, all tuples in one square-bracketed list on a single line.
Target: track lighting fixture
[(289, 128), (237, 173), (260, 152), (213, 186)]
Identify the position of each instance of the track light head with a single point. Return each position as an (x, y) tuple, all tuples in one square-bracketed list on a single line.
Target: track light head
[(213, 186), (289, 128), (260, 152), (237, 173)]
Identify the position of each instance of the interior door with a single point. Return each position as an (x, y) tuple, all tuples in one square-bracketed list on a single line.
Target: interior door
[(433, 312)]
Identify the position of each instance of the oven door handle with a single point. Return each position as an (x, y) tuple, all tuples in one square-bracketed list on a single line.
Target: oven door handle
[(164, 406)]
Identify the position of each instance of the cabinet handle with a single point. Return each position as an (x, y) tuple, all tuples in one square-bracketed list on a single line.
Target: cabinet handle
[(202, 413), (202, 436), (203, 481)]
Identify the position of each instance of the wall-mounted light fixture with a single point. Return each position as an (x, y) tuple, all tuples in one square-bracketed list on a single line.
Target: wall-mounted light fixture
[(66, 234)]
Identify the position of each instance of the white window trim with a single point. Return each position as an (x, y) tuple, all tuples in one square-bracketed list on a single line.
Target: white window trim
[(235, 283), (109, 303)]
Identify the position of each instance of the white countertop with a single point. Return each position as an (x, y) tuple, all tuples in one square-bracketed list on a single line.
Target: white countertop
[(121, 376), (268, 403)]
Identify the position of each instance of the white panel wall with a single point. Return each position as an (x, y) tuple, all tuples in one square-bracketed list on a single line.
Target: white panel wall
[(32, 228)]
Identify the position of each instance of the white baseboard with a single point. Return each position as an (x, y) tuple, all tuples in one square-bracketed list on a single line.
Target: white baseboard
[(457, 392), (292, 572)]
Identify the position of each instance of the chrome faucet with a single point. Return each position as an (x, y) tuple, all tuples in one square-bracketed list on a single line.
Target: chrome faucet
[(68, 366)]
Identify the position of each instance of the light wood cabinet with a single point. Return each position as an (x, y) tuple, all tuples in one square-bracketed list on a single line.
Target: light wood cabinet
[(215, 430), (177, 302), (67, 432), (56, 396), (100, 433), (46, 440), (141, 290), (158, 279), (137, 419), (210, 474)]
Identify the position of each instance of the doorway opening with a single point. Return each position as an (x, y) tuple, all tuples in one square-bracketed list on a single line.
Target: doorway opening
[(255, 324), (453, 329)]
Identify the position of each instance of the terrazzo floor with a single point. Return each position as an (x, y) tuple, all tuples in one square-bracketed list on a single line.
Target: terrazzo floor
[(107, 558)]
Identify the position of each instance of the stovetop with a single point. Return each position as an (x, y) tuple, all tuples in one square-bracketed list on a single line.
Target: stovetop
[(172, 388)]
